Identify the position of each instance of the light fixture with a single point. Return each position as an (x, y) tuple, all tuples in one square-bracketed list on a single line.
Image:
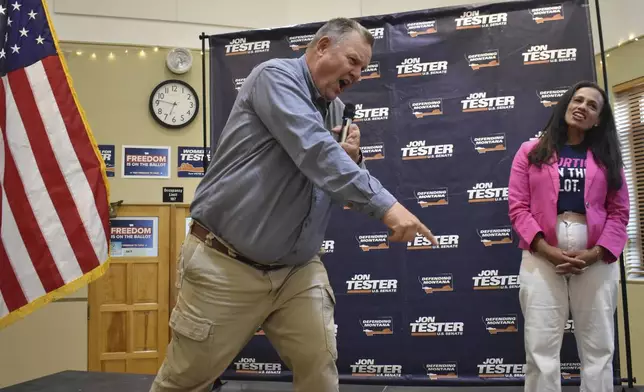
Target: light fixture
[(156, 49), (111, 56), (126, 50), (142, 53), (632, 36), (93, 55), (78, 53)]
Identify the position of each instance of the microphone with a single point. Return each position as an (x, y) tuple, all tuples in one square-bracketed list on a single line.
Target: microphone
[(347, 119)]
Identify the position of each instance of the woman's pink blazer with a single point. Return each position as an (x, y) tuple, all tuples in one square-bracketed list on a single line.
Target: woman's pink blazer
[(533, 194)]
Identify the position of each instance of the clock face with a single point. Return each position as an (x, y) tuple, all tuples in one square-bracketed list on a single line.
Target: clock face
[(174, 104)]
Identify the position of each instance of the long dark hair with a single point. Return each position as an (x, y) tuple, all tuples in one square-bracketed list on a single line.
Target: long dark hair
[(601, 140)]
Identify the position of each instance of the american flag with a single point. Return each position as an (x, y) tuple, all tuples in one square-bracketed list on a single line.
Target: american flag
[(54, 211)]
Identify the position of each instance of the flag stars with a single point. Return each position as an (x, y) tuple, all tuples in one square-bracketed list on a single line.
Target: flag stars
[(32, 14), (40, 40), (23, 32), (9, 21), (3, 10), (3, 54), (15, 49), (16, 6)]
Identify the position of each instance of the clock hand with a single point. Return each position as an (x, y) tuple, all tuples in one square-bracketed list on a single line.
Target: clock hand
[(173, 105), (160, 100)]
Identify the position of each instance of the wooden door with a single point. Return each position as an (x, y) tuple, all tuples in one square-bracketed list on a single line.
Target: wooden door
[(180, 218), (128, 306)]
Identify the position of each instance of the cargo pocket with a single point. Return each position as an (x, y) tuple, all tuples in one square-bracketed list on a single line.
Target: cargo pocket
[(190, 354), (190, 326), (328, 309)]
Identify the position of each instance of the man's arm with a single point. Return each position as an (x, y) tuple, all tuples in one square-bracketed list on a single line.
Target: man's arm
[(296, 124)]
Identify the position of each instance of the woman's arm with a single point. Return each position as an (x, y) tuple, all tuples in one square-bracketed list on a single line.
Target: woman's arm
[(613, 237), (519, 198)]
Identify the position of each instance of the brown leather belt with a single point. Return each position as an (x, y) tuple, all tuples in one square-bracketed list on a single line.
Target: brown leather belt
[(201, 232)]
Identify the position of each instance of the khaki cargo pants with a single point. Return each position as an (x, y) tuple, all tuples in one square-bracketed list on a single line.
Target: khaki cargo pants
[(222, 302)]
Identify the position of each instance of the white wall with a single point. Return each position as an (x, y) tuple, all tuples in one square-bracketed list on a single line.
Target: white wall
[(173, 23)]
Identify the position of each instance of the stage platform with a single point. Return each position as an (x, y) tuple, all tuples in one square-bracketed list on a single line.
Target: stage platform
[(73, 381)]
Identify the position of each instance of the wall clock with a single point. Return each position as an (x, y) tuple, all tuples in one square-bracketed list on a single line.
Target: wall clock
[(174, 104)]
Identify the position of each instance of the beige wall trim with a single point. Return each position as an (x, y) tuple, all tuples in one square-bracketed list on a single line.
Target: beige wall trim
[(620, 88)]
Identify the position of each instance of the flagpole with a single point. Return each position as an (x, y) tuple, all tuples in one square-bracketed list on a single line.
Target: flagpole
[(627, 330), (203, 37)]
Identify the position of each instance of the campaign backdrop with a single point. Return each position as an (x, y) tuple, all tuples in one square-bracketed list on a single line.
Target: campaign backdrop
[(447, 100)]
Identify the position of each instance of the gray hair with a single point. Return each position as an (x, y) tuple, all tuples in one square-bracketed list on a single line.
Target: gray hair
[(338, 28)]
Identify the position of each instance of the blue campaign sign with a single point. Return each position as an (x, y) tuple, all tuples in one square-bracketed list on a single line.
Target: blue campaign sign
[(134, 237), (146, 162), (107, 151), (190, 161)]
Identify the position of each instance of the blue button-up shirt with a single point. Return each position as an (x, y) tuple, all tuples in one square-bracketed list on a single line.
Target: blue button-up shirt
[(277, 168)]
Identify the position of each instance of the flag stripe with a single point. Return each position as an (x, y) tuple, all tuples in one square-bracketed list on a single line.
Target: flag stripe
[(18, 255), (61, 197), (23, 193), (30, 232), (10, 288), (79, 138), (9, 285), (67, 159)]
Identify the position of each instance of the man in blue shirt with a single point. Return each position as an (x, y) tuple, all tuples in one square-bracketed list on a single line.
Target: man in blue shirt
[(259, 218)]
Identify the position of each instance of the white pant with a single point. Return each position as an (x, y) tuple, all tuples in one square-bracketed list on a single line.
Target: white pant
[(546, 299)]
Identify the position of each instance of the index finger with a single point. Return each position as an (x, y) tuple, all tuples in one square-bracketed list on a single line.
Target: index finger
[(427, 234)]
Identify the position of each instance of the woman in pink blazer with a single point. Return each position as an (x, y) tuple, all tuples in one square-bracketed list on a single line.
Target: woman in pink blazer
[(568, 202)]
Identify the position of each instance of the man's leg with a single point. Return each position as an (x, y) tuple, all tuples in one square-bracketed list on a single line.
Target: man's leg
[(220, 304), (302, 328)]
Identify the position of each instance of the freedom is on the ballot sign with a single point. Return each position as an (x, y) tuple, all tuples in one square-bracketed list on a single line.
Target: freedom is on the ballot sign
[(146, 162), (134, 237)]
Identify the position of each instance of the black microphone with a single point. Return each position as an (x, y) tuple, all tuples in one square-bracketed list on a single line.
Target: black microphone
[(347, 119)]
